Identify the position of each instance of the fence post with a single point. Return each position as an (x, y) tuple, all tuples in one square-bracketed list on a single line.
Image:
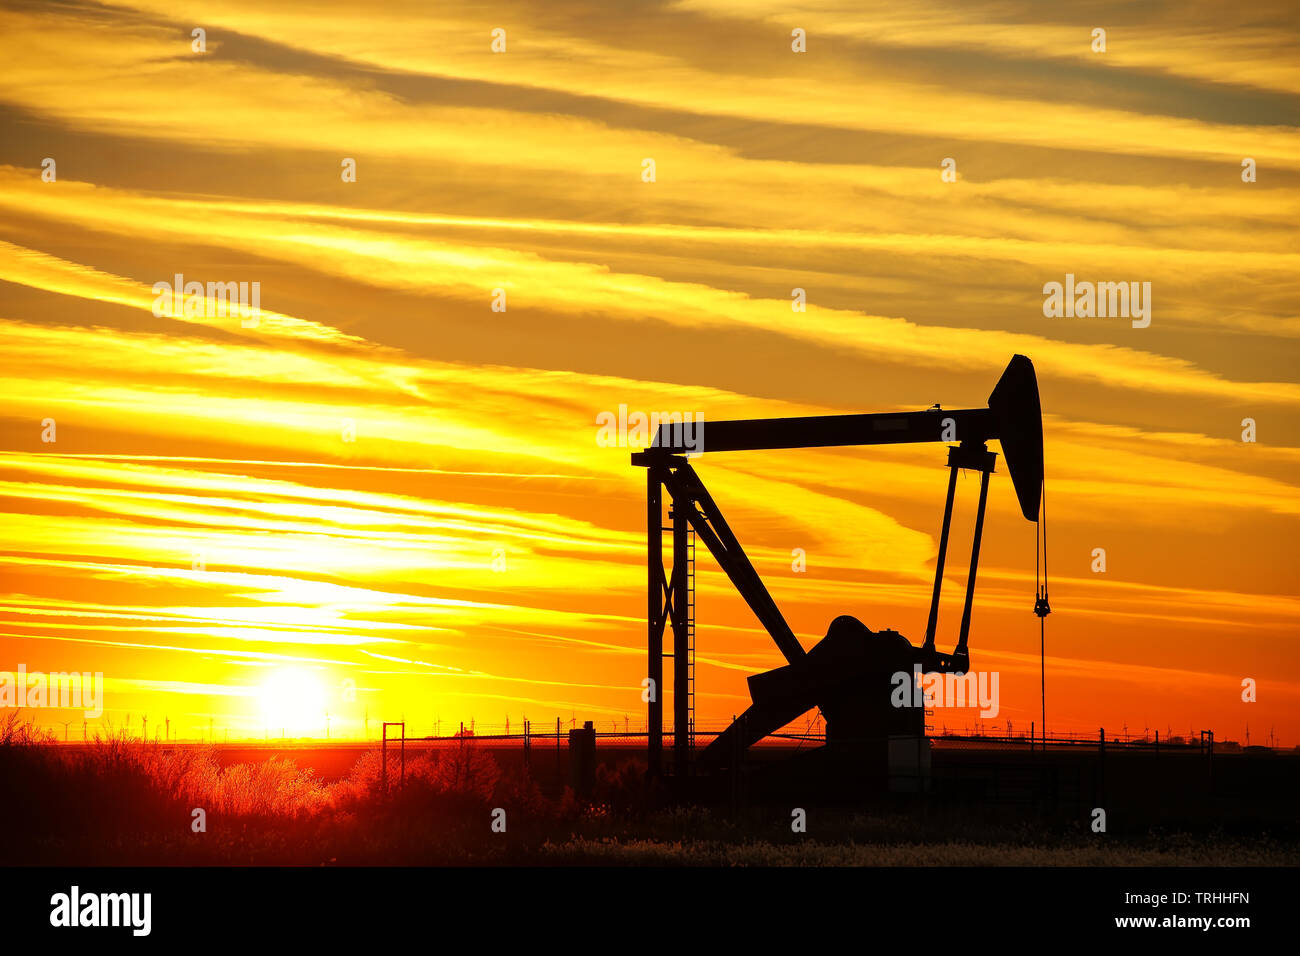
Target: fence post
[(582, 759), (1211, 762), (1101, 765)]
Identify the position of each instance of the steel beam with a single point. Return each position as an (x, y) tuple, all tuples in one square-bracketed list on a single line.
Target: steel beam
[(687, 489), (939, 561), (655, 615), (819, 431), (974, 564)]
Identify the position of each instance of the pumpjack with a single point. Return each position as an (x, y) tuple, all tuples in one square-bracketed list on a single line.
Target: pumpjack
[(848, 674)]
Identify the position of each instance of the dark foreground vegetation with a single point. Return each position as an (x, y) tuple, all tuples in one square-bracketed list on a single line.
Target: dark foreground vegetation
[(126, 802)]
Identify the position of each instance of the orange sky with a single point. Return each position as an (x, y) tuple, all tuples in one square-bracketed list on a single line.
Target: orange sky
[(201, 532)]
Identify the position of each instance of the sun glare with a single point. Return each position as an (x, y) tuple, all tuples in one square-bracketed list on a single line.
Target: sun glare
[(292, 703)]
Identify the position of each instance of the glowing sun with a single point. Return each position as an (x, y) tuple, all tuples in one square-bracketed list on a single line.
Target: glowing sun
[(292, 703)]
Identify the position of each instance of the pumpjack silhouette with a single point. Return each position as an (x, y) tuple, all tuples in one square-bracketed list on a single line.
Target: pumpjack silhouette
[(848, 674)]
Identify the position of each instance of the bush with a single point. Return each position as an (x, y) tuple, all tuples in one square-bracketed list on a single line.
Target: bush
[(467, 770)]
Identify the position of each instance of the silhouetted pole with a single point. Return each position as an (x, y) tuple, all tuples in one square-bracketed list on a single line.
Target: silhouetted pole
[(974, 563), (933, 621), (1042, 673), (655, 622)]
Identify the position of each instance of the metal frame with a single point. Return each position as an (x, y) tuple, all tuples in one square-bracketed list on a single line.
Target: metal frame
[(1013, 416), (691, 505)]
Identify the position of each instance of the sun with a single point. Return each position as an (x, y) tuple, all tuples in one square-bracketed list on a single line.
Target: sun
[(292, 703)]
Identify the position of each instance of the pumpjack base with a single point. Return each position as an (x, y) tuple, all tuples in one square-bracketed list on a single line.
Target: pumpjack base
[(851, 676)]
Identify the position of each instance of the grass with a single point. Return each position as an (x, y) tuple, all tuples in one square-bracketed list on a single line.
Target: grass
[(122, 801)]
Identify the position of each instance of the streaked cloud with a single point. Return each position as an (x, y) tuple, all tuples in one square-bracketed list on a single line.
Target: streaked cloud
[(204, 522)]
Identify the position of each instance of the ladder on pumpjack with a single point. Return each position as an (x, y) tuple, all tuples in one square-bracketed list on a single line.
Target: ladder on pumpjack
[(688, 613), (690, 639)]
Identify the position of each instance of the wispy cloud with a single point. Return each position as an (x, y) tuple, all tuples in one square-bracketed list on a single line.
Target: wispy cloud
[(387, 482)]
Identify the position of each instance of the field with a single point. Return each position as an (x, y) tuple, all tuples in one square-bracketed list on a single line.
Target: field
[(119, 801)]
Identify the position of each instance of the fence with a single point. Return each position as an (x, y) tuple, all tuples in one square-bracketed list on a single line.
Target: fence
[(534, 743)]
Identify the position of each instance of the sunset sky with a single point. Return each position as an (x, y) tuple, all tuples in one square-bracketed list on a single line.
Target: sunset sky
[(201, 531)]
